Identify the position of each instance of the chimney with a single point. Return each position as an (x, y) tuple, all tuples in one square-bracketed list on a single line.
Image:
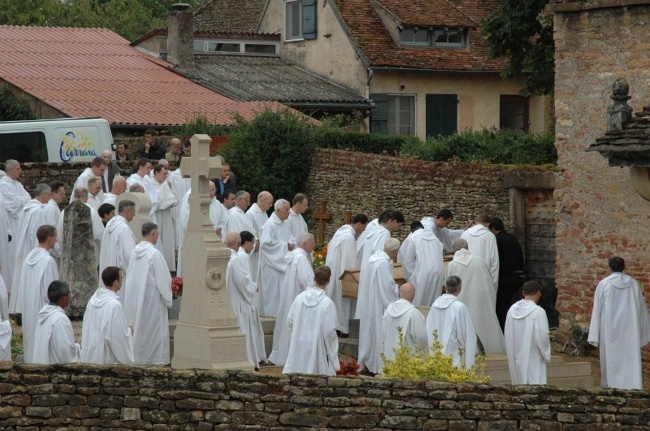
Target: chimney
[(180, 36)]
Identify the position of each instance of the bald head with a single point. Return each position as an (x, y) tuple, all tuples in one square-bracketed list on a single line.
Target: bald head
[(233, 240), (407, 291), (264, 200)]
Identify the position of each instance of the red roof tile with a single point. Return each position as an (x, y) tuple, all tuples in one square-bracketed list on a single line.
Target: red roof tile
[(95, 73), (376, 44)]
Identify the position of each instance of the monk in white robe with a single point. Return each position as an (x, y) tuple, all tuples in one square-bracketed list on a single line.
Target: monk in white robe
[(237, 220), (376, 291), (482, 242), (162, 203), (342, 255), (478, 295), (141, 176), (4, 300), (5, 271), (298, 276), (105, 336), (183, 218), (450, 318), (297, 223), (242, 290), (258, 216), (147, 296), (179, 186), (439, 225), (403, 314), (313, 346), (527, 342), (54, 338), (619, 327), (5, 339), (39, 270), (33, 217), (97, 168), (405, 250), (14, 197), (218, 213), (425, 259), (275, 242), (118, 241)]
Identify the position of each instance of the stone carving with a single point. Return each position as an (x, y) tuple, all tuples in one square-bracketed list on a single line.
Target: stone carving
[(619, 113)]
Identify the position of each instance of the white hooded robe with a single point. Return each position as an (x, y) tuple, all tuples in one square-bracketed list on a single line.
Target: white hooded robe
[(14, 197), (297, 225), (341, 255), (118, 243), (451, 319), (479, 297), (402, 313), (147, 296), (428, 272), (376, 291), (54, 338), (236, 222), (163, 204), (620, 327), (483, 243), (257, 218), (298, 276), (314, 346), (527, 343), (274, 237), (242, 290), (36, 274), (105, 337)]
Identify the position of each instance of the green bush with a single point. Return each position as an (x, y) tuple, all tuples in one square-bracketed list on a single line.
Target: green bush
[(488, 145), (363, 142), (12, 108), (271, 152)]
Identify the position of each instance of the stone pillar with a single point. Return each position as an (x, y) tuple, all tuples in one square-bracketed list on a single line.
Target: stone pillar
[(142, 203), (78, 260), (207, 334), (619, 113)]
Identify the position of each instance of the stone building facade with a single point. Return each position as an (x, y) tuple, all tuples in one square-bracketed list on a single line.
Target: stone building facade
[(598, 213)]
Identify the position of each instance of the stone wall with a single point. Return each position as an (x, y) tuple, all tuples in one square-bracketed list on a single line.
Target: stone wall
[(85, 397), (598, 214), (370, 183)]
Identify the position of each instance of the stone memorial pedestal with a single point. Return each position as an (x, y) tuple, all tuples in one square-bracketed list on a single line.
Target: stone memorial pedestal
[(207, 334), (142, 203)]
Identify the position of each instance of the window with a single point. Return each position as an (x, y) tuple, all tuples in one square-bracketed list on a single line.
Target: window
[(437, 37), (414, 36), (393, 114), (23, 146), (513, 112), (300, 19), (229, 46)]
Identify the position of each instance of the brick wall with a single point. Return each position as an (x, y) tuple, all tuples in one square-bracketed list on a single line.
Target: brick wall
[(85, 397), (370, 183), (598, 214)]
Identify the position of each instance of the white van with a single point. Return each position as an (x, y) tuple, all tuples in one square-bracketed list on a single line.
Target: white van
[(58, 140)]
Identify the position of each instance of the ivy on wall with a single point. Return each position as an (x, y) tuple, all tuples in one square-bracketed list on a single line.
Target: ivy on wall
[(13, 109)]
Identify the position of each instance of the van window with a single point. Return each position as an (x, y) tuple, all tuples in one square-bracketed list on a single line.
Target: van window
[(23, 146)]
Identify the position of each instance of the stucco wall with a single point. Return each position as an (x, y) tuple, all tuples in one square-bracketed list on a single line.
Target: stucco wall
[(598, 213), (86, 397), (478, 96)]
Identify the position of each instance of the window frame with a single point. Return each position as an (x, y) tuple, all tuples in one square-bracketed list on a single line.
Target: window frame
[(297, 4), (394, 125), (525, 115)]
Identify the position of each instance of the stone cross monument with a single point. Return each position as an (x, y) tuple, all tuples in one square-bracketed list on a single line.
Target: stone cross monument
[(207, 334)]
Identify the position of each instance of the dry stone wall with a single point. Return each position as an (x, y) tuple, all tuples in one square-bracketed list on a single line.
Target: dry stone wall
[(85, 397), (369, 183)]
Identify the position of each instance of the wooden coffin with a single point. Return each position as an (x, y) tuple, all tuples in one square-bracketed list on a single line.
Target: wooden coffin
[(350, 280)]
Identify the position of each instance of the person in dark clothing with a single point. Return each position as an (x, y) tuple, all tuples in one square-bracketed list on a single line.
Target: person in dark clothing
[(152, 150), (511, 269)]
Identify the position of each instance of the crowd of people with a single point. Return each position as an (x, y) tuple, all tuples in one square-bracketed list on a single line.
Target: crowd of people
[(479, 300)]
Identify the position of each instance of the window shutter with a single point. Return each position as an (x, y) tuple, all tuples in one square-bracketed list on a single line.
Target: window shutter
[(309, 19), (379, 116), (441, 114)]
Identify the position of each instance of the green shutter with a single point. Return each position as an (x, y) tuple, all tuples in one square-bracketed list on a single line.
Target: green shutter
[(309, 19), (442, 114), (378, 115)]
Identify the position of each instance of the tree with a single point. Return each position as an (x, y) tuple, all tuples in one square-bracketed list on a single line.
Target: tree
[(519, 31)]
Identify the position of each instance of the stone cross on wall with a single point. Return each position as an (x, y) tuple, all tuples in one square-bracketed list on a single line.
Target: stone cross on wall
[(207, 334), (322, 217)]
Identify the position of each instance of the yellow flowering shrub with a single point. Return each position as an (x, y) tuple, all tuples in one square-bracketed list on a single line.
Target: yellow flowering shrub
[(412, 364)]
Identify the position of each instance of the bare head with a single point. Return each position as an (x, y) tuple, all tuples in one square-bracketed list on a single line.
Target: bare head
[(322, 276), (460, 244), (150, 232), (12, 168), (212, 190), (46, 236), (42, 193), (407, 291), (359, 223), (107, 156), (126, 209), (81, 194), (233, 240), (136, 188), (242, 200), (119, 185), (264, 200), (483, 219), (98, 166), (306, 242), (282, 208), (532, 291), (453, 284), (300, 203), (391, 247)]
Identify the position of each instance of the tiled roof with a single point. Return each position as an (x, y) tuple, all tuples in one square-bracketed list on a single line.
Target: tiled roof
[(229, 15), (380, 50), (95, 73), (267, 78), (428, 12)]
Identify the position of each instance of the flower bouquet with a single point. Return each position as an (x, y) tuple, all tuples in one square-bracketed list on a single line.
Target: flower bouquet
[(348, 369), (177, 287)]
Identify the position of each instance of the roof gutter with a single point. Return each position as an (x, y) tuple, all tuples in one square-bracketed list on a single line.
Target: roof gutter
[(331, 105), (410, 69)]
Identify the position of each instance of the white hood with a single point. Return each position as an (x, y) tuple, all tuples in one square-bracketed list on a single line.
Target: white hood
[(478, 230), (620, 280), (463, 256), (522, 308), (49, 311), (142, 248), (378, 255), (425, 234), (444, 301), (428, 223), (313, 296), (33, 258), (399, 307), (114, 223), (101, 296)]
